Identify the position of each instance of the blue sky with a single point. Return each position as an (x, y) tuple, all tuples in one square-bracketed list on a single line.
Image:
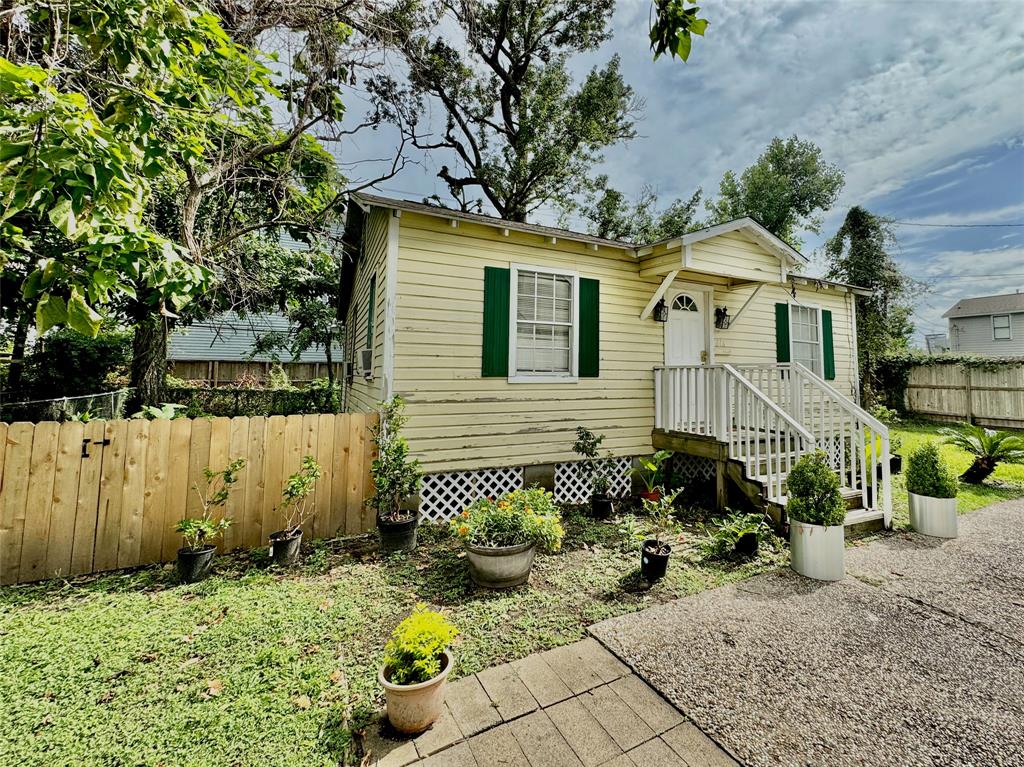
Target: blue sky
[(920, 102)]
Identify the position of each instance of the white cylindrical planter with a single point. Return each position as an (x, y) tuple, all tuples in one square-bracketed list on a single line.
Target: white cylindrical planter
[(934, 516), (816, 551)]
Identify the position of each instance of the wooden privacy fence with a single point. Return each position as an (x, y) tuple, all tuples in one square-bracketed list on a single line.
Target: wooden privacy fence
[(986, 396), (80, 498)]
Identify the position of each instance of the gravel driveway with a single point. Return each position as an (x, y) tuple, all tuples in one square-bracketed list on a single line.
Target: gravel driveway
[(917, 658)]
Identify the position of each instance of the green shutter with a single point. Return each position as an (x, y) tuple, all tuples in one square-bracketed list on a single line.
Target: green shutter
[(496, 318), (782, 332), (590, 328), (370, 311), (828, 347)]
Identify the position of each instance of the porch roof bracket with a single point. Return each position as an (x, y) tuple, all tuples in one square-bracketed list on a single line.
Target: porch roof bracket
[(658, 294), (746, 303)]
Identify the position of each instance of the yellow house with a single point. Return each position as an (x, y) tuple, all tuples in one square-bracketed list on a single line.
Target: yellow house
[(503, 337)]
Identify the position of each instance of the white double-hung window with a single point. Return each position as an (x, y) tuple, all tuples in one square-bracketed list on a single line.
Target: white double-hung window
[(1001, 327), (543, 325), (805, 329)]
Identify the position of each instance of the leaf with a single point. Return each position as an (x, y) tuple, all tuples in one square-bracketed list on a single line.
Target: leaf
[(214, 687), (62, 216), (50, 311), (81, 317), (683, 46), (302, 701)]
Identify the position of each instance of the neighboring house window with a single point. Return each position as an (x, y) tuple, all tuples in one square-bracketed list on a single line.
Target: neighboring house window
[(543, 323), (1001, 327), (806, 334)]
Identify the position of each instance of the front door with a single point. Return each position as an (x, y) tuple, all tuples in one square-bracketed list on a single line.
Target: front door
[(684, 331)]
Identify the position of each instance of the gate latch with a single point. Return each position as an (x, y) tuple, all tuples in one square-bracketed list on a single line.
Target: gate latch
[(85, 445)]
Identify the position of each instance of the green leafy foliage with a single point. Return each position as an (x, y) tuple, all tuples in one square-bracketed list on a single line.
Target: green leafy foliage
[(523, 133), (168, 411), (588, 447), (662, 517), (199, 531), (786, 189), (989, 448), (395, 475), (675, 22), (928, 474), (722, 535), (888, 416), (522, 516), (611, 214), (814, 492), (295, 502), (650, 470), (859, 254), (64, 363), (415, 651)]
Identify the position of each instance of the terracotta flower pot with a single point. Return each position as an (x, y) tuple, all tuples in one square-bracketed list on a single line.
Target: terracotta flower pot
[(651, 495), (412, 708)]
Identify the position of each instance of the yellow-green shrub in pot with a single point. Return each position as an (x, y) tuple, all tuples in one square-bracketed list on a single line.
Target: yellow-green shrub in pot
[(931, 489), (502, 536), (417, 663), (816, 514)]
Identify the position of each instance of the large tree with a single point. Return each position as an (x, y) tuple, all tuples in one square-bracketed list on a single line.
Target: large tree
[(610, 213), (519, 131), (787, 189), (859, 254)]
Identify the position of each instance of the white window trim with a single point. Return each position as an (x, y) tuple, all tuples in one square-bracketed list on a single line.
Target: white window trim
[(513, 375), (1009, 327), (821, 336)]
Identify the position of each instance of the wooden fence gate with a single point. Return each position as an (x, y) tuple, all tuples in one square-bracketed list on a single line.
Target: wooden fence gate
[(80, 498)]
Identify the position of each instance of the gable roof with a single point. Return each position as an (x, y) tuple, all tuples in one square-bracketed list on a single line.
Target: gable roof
[(982, 305), (748, 225), (363, 199)]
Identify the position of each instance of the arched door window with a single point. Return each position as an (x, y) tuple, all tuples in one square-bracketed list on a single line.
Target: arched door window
[(684, 303)]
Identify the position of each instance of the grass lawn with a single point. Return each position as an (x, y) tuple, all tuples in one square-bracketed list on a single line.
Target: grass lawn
[(260, 667), (1007, 481)]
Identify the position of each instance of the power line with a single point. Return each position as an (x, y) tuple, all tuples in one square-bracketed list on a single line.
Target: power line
[(962, 276), (952, 226)]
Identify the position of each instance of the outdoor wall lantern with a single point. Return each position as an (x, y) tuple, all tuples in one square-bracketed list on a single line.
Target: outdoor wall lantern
[(722, 317), (661, 311)]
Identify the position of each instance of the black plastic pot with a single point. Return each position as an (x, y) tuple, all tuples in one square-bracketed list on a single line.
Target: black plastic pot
[(654, 563), (284, 547), (746, 545), (398, 536), (601, 506), (895, 464), (195, 564)]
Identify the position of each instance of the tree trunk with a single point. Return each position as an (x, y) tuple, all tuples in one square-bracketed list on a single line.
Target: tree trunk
[(149, 361), (979, 471), (331, 403), (14, 377)]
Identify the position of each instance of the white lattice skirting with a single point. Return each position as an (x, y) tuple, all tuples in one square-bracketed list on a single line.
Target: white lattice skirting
[(572, 480), (442, 496), (689, 469)]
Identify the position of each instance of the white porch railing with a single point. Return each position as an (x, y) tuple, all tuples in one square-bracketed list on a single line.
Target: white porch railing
[(857, 444), (772, 415), (717, 401)]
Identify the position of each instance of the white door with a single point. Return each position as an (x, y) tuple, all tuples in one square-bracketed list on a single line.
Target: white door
[(684, 331)]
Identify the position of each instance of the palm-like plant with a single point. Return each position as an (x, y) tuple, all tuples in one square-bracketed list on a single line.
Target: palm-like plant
[(988, 447)]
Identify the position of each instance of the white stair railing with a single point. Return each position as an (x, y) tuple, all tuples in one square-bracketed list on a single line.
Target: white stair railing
[(857, 444), (718, 401)]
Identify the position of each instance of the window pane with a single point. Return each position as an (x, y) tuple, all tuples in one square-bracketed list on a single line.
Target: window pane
[(544, 323)]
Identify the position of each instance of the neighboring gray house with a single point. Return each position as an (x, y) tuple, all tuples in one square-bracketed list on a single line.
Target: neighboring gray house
[(988, 325)]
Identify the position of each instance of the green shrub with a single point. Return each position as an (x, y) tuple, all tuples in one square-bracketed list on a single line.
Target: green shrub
[(927, 474), (396, 476), (414, 652), (65, 363), (522, 516), (814, 494), (722, 535)]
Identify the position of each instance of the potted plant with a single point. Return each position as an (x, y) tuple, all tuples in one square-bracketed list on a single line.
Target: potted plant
[(932, 488), (816, 513), (502, 536), (195, 557), (395, 478), (656, 550), (736, 535), (895, 459), (649, 472), (417, 663), (989, 448), (296, 509), (588, 446)]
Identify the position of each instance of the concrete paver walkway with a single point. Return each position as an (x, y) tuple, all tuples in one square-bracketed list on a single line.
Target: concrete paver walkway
[(574, 706), (917, 658)]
